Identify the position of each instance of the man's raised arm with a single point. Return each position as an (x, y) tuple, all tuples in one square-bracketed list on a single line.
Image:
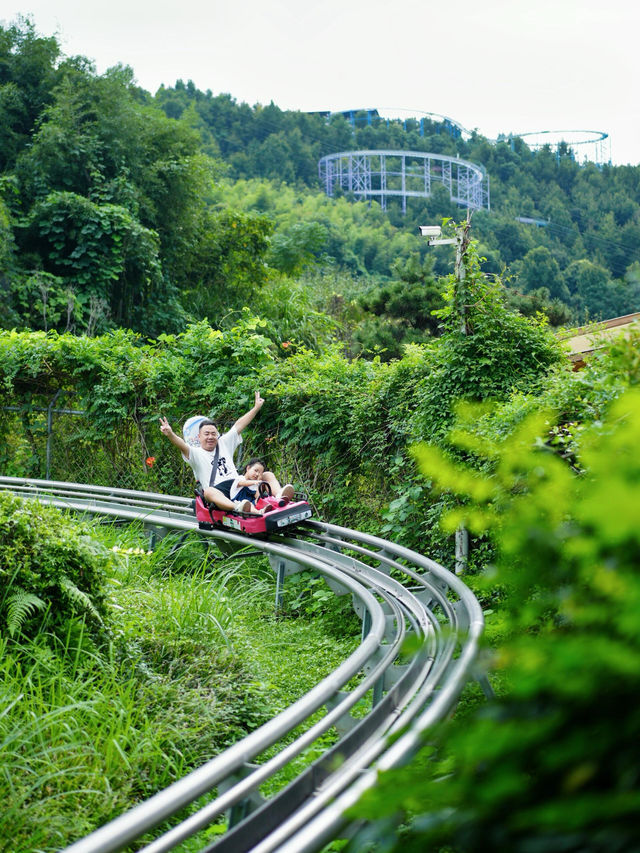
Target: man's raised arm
[(246, 419), (180, 443)]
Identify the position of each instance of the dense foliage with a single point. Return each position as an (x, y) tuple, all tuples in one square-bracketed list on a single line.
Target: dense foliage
[(586, 215), (335, 426), (553, 764), (119, 385), (337, 420), (194, 661)]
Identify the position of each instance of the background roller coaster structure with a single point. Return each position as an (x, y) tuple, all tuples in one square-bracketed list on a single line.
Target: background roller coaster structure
[(381, 175), (585, 145), (396, 593)]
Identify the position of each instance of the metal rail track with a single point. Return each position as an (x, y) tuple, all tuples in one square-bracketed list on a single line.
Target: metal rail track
[(396, 592)]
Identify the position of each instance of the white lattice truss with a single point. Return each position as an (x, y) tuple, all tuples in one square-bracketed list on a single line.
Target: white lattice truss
[(381, 175)]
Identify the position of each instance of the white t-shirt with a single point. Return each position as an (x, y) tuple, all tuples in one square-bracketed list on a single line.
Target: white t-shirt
[(235, 488), (201, 460)]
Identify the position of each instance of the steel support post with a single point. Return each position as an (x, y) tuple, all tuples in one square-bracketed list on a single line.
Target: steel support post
[(280, 573)]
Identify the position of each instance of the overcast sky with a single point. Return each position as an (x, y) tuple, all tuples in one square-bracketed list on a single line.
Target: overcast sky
[(498, 66)]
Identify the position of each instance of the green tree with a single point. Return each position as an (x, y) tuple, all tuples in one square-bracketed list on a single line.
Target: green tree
[(486, 353), (539, 269), (538, 302), (28, 73), (512, 239), (45, 301), (101, 252), (594, 294), (496, 353), (227, 265), (294, 248), (403, 309), (98, 141), (7, 251)]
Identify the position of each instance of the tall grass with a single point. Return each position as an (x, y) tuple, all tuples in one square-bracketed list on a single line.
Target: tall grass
[(73, 740), (195, 660), (86, 732)]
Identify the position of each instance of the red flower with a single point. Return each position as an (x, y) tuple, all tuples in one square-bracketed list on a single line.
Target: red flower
[(286, 344), (149, 461)]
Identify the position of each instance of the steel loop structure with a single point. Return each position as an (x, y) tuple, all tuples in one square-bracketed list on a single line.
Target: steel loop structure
[(382, 175), (378, 702), (585, 145)]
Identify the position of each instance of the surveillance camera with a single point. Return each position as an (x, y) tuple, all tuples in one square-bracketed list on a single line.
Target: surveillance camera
[(430, 230)]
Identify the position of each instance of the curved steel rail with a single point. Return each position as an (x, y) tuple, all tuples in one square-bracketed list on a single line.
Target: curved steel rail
[(395, 592)]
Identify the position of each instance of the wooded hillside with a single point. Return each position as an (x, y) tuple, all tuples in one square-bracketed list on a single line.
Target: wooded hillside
[(122, 208)]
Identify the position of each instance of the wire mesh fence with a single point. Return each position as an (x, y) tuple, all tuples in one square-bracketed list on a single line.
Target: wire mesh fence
[(59, 444)]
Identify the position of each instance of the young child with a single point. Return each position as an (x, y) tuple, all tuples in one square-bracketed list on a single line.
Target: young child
[(246, 486)]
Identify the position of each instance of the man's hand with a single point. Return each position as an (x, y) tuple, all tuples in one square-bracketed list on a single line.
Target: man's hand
[(246, 419), (177, 440)]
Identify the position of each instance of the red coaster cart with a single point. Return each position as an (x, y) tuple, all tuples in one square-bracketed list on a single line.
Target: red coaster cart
[(280, 514)]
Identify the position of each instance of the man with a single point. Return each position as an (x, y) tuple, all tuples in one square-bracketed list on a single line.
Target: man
[(212, 463)]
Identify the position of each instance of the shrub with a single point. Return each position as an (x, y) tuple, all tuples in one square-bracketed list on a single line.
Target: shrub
[(51, 573)]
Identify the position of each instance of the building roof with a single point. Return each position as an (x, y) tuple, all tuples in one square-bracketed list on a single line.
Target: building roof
[(584, 340)]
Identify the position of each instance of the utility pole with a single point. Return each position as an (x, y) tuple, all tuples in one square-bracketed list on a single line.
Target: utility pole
[(461, 242)]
